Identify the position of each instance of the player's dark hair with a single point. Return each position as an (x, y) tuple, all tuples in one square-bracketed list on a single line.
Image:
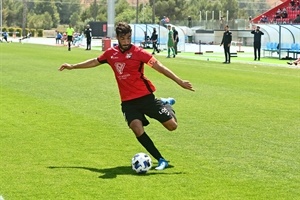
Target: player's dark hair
[(123, 28)]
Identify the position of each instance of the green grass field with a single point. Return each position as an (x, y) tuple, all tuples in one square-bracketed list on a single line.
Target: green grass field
[(63, 135)]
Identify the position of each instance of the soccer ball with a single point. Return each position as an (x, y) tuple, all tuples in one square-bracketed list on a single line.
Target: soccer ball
[(141, 163)]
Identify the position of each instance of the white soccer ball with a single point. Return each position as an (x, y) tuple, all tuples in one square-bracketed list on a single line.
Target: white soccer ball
[(141, 163)]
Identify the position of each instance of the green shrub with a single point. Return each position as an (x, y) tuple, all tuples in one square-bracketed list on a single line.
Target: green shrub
[(33, 32), (18, 32), (40, 32), (10, 31)]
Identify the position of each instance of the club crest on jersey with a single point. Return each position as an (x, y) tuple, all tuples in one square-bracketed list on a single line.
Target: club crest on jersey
[(128, 55), (120, 67)]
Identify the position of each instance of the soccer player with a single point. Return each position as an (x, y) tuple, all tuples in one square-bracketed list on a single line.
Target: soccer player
[(170, 42), (25, 37), (70, 31), (136, 91), (4, 34), (296, 62)]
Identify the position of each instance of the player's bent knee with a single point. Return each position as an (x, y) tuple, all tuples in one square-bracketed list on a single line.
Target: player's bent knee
[(171, 125), (172, 128)]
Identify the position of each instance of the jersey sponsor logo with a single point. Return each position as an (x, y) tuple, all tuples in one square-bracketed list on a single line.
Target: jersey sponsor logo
[(120, 67), (114, 56), (164, 110)]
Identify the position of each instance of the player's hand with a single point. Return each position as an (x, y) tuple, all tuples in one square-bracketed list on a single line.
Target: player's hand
[(186, 85), (65, 66)]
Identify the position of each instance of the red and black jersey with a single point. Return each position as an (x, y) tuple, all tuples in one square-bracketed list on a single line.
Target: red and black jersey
[(128, 67)]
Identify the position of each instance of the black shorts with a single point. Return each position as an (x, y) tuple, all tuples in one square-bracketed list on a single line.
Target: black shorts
[(70, 38), (146, 105)]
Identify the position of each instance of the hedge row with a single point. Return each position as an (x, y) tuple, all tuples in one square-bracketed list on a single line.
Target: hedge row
[(17, 32)]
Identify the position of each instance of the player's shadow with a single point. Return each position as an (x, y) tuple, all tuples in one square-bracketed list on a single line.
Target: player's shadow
[(109, 173)]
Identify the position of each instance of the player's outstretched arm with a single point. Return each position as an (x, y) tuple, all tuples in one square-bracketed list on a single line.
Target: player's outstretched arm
[(168, 73), (86, 64)]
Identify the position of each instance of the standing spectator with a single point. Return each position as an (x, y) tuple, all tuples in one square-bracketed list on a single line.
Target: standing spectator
[(189, 21), (154, 38), (226, 42), (221, 23), (170, 42), (257, 42), (64, 38), (88, 35), (136, 91), (176, 39), (70, 32), (250, 22), (58, 38)]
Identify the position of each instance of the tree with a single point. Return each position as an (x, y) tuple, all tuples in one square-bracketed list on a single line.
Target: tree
[(75, 20), (48, 6), (10, 13), (95, 12), (94, 8), (232, 7), (67, 8), (169, 8), (145, 15)]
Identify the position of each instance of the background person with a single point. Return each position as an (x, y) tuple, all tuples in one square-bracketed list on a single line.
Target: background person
[(176, 39), (170, 42), (257, 42), (146, 40), (26, 36), (4, 36), (88, 35), (296, 62), (58, 38), (136, 91), (154, 38), (70, 31), (226, 42)]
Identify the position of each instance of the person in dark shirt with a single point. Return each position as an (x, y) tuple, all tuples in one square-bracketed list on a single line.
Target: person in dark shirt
[(226, 42), (88, 35), (4, 34), (257, 42), (176, 39), (154, 38)]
